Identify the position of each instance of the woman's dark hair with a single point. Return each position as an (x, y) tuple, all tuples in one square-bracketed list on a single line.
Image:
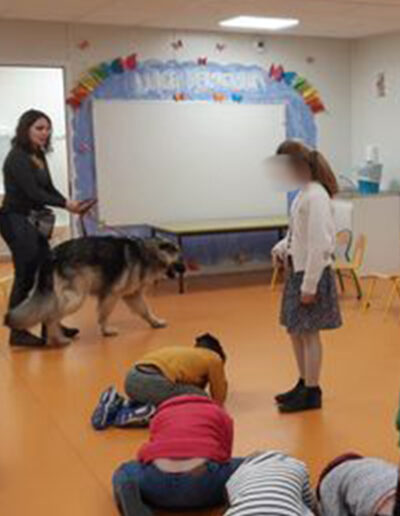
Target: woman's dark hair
[(301, 155), (25, 122), (208, 341)]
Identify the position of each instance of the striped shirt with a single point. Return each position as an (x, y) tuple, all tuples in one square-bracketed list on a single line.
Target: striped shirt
[(270, 484)]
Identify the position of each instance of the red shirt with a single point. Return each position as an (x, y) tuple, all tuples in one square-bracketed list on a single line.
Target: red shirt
[(189, 426)]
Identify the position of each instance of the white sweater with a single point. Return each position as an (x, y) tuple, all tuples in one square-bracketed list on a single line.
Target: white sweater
[(311, 238)]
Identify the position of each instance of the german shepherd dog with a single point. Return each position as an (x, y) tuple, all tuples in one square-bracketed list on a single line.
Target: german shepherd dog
[(109, 268)]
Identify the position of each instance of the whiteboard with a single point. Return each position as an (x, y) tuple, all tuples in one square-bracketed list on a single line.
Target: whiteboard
[(185, 161)]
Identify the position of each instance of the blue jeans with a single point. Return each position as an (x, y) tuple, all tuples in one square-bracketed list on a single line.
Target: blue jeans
[(197, 490)]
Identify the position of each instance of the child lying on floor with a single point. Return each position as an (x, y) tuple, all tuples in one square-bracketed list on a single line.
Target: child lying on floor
[(352, 485), (161, 375), (174, 371), (186, 462), (270, 484)]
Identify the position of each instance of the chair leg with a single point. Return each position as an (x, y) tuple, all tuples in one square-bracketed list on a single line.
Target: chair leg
[(357, 284), (397, 285), (390, 299), (370, 293), (274, 278), (4, 293), (341, 280)]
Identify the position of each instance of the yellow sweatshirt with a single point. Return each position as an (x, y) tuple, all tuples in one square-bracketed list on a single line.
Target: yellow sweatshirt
[(195, 366)]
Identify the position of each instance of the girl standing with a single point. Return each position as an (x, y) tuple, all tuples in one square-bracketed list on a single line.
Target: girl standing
[(310, 301)]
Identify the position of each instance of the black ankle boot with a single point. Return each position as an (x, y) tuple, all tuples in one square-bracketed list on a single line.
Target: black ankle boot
[(286, 396), (308, 398), (25, 339)]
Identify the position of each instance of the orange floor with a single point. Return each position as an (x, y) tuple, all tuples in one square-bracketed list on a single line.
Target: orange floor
[(53, 463)]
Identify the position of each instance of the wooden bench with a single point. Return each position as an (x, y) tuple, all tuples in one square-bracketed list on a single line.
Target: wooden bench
[(182, 230)]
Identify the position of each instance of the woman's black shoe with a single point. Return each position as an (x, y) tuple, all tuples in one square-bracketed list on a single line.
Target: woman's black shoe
[(308, 398), (69, 332), (286, 396), (24, 339)]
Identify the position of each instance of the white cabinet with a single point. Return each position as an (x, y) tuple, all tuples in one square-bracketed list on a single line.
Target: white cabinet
[(378, 217)]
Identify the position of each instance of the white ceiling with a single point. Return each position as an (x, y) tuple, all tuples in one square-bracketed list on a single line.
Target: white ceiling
[(334, 18)]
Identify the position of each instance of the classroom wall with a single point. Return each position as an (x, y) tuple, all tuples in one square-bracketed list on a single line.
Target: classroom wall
[(45, 92), (376, 120), (325, 62)]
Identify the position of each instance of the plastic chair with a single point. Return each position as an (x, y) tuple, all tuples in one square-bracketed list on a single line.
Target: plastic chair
[(394, 279), (275, 275), (5, 289), (353, 266), (344, 241)]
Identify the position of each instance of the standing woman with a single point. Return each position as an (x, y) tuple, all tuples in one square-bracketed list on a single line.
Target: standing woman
[(25, 223), (310, 301)]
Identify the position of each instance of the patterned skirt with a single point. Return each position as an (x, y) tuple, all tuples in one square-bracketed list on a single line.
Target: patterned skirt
[(322, 315)]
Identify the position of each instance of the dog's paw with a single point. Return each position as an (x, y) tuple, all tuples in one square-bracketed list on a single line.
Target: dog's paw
[(158, 324), (109, 331)]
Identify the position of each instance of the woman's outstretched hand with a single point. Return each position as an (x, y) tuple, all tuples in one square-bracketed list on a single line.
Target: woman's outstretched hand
[(74, 207)]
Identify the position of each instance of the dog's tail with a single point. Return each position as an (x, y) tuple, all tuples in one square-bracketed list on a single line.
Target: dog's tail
[(40, 303)]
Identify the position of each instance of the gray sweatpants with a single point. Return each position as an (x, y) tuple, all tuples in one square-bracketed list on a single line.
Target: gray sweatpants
[(356, 486), (149, 387)]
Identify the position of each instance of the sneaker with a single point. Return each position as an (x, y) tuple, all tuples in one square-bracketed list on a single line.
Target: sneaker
[(308, 398), (109, 404), (25, 339), (133, 414), (286, 396)]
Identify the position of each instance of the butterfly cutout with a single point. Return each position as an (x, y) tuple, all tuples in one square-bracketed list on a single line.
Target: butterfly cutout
[(219, 97), (202, 61), (83, 45), (237, 97), (131, 62), (74, 102), (276, 72), (84, 147), (178, 97), (176, 45), (220, 47)]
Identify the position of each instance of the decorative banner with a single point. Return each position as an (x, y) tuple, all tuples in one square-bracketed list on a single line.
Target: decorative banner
[(301, 85), (97, 75), (185, 81)]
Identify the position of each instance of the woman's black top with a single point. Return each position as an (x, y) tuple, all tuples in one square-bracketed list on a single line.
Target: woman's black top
[(27, 183)]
